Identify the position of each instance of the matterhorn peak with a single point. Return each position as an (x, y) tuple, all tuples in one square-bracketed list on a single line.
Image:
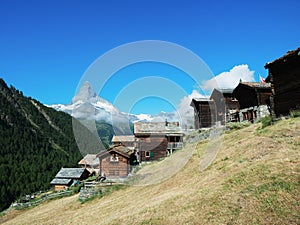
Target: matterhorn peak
[(85, 94)]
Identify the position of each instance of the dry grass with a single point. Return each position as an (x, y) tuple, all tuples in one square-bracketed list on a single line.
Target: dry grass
[(254, 179)]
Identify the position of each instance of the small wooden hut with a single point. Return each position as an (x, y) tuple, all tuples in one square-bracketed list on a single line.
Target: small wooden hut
[(204, 112), (227, 106), (253, 98), (66, 177), (116, 162)]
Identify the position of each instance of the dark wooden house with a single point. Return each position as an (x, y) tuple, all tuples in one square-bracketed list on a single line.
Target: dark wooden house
[(116, 162), (67, 176), (226, 105), (253, 98), (204, 112), (284, 76), (155, 140)]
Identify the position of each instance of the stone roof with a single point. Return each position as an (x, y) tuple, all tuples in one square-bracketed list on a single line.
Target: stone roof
[(123, 138), (57, 181), (161, 128), (70, 173)]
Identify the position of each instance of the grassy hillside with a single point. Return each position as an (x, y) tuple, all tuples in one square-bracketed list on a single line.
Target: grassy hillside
[(253, 180)]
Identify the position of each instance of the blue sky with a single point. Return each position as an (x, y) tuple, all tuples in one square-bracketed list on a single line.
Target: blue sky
[(46, 46)]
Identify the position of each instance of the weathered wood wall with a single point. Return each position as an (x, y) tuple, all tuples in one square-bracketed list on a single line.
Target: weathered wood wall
[(115, 169), (224, 102), (285, 78), (155, 145)]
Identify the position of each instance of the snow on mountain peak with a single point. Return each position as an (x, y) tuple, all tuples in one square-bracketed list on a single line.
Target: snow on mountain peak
[(88, 105), (85, 94)]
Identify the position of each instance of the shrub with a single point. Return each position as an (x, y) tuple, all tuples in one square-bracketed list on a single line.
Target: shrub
[(295, 113), (266, 121), (236, 125)]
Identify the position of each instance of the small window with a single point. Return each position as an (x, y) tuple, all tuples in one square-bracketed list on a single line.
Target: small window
[(149, 154), (114, 158)]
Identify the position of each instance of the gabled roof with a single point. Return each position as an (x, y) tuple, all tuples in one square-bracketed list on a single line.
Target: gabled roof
[(201, 100), (123, 138), (57, 181), (70, 173), (258, 85), (225, 90), (159, 128), (89, 159), (121, 150), (288, 55)]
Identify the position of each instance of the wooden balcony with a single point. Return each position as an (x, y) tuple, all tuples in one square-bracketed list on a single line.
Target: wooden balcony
[(175, 145)]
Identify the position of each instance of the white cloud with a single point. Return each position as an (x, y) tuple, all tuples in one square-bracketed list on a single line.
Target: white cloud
[(185, 111), (230, 79)]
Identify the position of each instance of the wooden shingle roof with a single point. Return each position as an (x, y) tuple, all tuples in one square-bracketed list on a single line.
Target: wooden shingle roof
[(289, 54), (89, 159), (258, 85), (201, 100), (121, 150)]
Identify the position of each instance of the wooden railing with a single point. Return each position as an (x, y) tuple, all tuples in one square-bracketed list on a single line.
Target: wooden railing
[(175, 145)]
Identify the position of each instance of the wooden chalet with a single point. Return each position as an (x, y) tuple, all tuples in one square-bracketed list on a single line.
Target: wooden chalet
[(91, 163), (226, 105), (284, 76), (204, 112), (155, 140), (67, 176), (253, 98), (116, 162), (126, 140)]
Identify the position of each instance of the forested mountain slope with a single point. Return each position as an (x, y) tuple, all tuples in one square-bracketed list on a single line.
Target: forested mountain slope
[(35, 142)]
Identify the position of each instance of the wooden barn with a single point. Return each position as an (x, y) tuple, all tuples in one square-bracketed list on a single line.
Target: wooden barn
[(126, 140), (116, 162), (284, 76), (227, 106), (67, 176), (155, 140), (204, 112), (254, 98), (91, 163)]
